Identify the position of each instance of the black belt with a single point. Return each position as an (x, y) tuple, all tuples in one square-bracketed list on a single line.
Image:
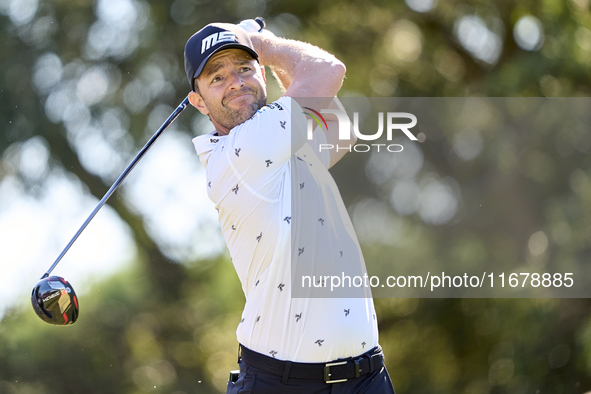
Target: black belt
[(333, 372)]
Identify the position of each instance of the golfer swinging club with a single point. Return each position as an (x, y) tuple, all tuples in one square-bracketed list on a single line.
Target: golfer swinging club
[(279, 211)]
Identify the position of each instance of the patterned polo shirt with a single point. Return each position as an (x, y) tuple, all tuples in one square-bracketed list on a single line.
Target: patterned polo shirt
[(282, 217)]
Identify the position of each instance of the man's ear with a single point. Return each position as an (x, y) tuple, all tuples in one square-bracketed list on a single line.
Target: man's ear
[(197, 101)]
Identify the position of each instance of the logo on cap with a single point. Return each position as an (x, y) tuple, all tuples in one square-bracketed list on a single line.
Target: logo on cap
[(216, 38)]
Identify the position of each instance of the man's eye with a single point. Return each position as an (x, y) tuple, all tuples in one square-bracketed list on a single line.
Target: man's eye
[(216, 79), (244, 69)]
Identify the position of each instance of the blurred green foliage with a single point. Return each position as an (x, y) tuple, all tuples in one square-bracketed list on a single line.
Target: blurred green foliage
[(164, 327)]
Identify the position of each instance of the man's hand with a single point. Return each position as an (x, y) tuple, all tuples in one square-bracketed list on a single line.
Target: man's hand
[(252, 25)]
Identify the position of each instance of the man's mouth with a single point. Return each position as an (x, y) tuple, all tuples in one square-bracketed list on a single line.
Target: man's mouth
[(238, 96)]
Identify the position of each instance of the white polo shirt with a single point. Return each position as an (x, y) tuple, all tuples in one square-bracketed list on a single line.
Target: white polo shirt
[(281, 213)]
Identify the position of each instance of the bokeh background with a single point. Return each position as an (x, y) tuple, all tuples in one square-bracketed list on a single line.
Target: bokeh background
[(85, 84)]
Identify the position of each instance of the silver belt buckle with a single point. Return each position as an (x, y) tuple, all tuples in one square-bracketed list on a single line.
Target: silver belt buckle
[(327, 372)]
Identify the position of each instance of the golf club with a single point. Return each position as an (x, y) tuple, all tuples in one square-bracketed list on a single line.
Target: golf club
[(53, 298)]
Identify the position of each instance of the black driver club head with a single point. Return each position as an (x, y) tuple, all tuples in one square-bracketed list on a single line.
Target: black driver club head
[(55, 301)]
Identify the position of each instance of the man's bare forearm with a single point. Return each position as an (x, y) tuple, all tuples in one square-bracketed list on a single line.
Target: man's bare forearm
[(303, 69), (282, 78)]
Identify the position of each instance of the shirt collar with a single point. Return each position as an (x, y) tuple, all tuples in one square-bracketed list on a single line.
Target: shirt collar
[(205, 144)]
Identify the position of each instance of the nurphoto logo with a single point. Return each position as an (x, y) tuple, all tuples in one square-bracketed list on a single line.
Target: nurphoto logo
[(393, 125)]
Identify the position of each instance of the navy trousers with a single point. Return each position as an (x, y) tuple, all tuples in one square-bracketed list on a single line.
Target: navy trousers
[(255, 381)]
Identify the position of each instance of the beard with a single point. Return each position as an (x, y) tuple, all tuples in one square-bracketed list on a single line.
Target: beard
[(232, 117)]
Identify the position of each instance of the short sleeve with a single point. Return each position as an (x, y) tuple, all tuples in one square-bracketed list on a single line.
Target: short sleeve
[(319, 140)]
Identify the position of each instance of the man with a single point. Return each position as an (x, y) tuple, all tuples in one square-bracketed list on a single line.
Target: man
[(281, 214)]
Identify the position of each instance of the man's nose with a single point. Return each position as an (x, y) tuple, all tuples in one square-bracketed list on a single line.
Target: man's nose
[(236, 80)]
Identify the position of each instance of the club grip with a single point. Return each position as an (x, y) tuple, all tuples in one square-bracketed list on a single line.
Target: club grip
[(260, 21)]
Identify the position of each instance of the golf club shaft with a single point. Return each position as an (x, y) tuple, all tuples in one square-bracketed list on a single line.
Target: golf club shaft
[(126, 172)]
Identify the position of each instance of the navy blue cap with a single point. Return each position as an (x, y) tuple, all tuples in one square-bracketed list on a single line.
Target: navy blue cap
[(211, 39)]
